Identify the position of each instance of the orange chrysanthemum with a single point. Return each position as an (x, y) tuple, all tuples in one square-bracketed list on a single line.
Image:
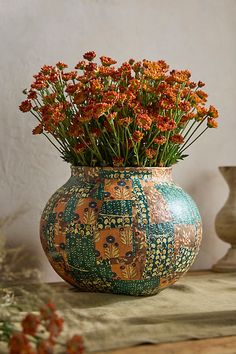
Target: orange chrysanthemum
[(89, 55), (106, 61), (177, 139), (144, 121), (75, 345), (160, 140), (25, 106), (150, 153), (212, 112), (137, 136), (212, 123)]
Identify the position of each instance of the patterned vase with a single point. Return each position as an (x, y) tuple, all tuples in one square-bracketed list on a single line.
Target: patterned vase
[(121, 230)]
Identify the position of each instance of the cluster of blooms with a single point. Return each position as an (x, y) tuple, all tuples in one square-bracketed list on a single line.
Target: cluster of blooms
[(139, 114), (31, 341)]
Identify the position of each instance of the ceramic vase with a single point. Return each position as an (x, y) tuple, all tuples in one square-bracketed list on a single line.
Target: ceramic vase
[(121, 230), (225, 222)]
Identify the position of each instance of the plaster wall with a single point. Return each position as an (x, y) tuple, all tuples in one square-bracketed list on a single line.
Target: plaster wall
[(188, 34)]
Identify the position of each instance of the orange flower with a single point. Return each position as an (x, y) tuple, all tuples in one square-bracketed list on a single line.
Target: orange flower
[(144, 121), (32, 95), (76, 130), (69, 76), (81, 65), (38, 129), (61, 65), (96, 132), (48, 311), (112, 116), (212, 112), (166, 103), (54, 325), (161, 139), (19, 344), (150, 153), (79, 98), (90, 68), (106, 71), (118, 161), (25, 106), (201, 111), (200, 84), (75, 345), (95, 86), (137, 136), (165, 124), (180, 76), (106, 61), (30, 324), (47, 69), (45, 347), (203, 95), (125, 122), (177, 139), (50, 98), (80, 147), (71, 89), (184, 106), (212, 123), (137, 66), (89, 55)]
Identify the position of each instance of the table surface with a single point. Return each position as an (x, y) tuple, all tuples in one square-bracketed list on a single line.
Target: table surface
[(224, 345), (219, 345)]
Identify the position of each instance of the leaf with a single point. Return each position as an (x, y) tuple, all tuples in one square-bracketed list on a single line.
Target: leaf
[(122, 193), (129, 272), (126, 236), (89, 217), (112, 252), (97, 236)]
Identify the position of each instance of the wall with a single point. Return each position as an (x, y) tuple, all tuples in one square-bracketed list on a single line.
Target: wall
[(189, 34)]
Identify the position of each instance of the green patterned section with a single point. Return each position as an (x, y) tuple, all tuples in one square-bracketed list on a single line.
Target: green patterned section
[(182, 207), (136, 287), (160, 252), (117, 207), (140, 203)]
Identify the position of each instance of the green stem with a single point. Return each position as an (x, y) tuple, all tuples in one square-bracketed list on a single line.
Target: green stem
[(182, 150)]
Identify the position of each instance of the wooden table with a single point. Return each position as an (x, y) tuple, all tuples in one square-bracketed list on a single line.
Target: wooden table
[(225, 345)]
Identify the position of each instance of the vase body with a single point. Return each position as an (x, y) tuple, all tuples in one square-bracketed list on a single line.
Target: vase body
[(121, 230), (225, 222)]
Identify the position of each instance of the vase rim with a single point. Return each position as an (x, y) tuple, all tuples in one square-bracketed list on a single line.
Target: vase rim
[(120, 168)]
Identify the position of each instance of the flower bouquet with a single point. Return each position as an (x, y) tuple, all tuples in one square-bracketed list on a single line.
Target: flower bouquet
[(139, 114), (120, 224)]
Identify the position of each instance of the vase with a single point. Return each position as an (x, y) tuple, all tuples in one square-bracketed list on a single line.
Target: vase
[(124, 230), (225, 222)]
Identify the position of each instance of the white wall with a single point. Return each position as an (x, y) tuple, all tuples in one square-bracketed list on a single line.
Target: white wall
[(191, 34)]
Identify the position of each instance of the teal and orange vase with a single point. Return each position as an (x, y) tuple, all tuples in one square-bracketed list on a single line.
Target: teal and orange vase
[(122, 230)]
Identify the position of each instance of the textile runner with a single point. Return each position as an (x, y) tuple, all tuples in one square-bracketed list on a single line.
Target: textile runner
[(197, 306)]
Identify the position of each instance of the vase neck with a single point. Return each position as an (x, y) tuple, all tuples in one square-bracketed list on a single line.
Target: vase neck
[(229, 174), (162, 174)]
